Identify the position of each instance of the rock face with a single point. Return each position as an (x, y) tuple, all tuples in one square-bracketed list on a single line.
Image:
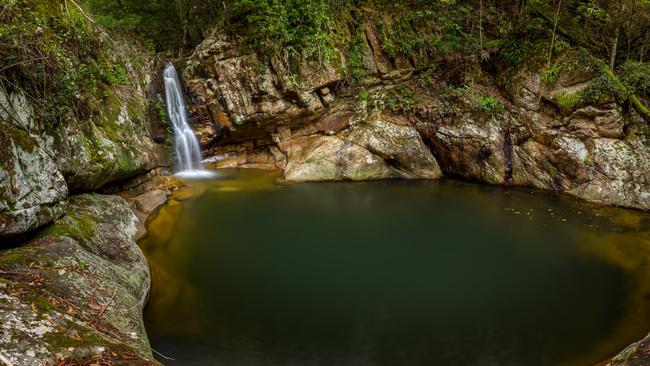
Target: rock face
[(40, 164), (78, 289), (93, 130), (263, 115), (637, 354), (568, 134)]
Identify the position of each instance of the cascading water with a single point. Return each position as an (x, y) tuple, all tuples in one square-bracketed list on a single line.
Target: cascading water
[(187, 146)]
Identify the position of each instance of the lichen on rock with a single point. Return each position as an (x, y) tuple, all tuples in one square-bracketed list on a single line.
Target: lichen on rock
[(77, 289)]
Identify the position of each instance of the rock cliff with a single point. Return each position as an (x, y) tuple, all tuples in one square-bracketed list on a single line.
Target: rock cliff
[(72, 119), (568, 132)]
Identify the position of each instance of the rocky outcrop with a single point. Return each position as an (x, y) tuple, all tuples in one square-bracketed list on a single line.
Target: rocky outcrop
[(76, 292), (586, 148), (41, 164), (568, 132), (637, 354), (72, 112), (289, 117)]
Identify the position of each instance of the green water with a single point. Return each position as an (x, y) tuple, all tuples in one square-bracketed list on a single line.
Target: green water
[(247, 272)]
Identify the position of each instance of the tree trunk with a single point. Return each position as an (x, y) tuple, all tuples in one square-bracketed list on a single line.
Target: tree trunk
[(480, 24), (612, 56), (555, 22), (617, 23)]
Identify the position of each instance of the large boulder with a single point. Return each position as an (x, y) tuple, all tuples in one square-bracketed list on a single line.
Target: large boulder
[(568, 134), (77, 291), (40, 164)]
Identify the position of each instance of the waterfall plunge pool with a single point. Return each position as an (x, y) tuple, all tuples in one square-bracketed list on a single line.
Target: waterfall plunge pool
[(249, 272)]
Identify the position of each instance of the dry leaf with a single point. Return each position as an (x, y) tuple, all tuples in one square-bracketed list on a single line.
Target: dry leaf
[(95, 305)]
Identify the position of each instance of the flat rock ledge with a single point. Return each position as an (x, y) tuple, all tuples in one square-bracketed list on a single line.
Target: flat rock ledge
[(74, 294)]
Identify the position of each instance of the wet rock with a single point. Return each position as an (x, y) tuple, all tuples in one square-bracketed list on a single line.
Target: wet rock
[(160, 139), (245, 94), (146, 195), (32, 186)]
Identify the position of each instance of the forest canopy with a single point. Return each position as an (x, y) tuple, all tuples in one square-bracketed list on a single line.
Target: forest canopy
[(615, 30)]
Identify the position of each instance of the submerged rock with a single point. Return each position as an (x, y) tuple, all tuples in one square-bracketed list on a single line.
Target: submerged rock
[(77, 290)]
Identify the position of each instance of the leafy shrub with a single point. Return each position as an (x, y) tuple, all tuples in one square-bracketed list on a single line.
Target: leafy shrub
[(407, 32), (299, 27), (115, 75), (636, 77), (551, 74), (490, 105), (356, 68), (513, 52), (55, 56), (604, 88), (399, 99)]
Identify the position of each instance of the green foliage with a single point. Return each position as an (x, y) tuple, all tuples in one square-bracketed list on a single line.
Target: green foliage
[(57, 57), (490, 105), (572, 60), (356, 68), (636, 77), (407, 32), (399, 99), (161, 109), (296, 26), (160, 24), (560, 46), (514, 52), (568, 101), (115, 75), (453, 38), (550, 74), (605, 88)]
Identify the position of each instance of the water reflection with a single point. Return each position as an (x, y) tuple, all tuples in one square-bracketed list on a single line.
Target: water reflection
[(250, 272)]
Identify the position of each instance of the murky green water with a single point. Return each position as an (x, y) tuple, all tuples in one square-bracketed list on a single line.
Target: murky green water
[(247, 272)]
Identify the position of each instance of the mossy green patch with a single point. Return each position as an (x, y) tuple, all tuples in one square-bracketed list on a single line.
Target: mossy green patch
[(571, 60), (490, 105), (76, 227), (77, 336), (569, 101), (11, 257), (605, 88)]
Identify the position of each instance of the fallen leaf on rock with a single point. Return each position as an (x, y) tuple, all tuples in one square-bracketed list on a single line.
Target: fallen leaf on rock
[(94, 304)]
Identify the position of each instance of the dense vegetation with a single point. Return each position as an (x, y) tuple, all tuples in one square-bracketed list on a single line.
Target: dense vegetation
[(60, 58), (481, 33), (56, 51), (618, 29)]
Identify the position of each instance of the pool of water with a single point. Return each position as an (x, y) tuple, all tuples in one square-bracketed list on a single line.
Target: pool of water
[(249, 272)]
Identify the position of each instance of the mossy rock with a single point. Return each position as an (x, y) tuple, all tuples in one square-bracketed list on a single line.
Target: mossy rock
[(78, 289)]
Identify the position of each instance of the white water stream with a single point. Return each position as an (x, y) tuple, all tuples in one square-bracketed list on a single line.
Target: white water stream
[(188, 151)]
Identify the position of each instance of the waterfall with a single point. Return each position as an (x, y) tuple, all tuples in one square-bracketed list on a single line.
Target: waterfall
[(187, 145)]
